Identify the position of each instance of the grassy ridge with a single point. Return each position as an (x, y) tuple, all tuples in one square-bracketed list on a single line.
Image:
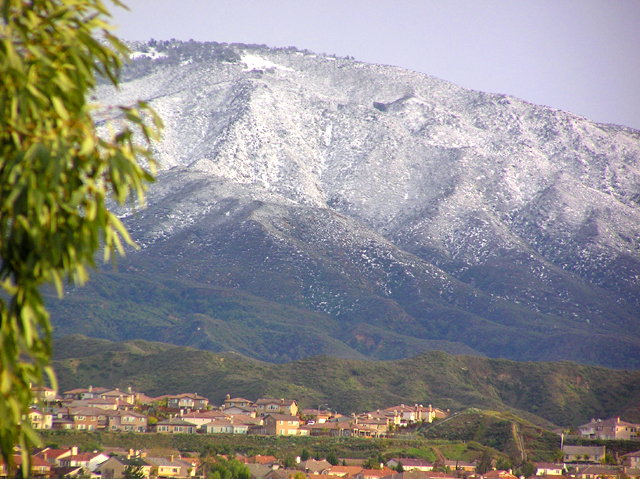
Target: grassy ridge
[(280, 447), (560, 393)]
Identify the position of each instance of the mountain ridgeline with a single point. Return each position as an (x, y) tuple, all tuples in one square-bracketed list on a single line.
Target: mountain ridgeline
[(309, 204)]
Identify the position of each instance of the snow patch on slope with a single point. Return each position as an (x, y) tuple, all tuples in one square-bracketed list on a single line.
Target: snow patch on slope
[(256, 62)]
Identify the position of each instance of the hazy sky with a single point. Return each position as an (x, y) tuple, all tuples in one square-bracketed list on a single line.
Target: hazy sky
[(577, 55)]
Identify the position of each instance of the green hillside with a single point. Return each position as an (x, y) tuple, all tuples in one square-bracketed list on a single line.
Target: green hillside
[(518, 438), (549, 393)]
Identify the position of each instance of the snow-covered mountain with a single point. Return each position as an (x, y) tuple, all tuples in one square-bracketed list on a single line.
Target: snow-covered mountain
[(381, 211)]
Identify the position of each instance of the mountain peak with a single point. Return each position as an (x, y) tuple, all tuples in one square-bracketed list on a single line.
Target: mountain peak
[(389, 201)]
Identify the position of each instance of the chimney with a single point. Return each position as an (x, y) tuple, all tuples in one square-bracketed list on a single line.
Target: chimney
[(74, 450), (171, 458), (90, 388)]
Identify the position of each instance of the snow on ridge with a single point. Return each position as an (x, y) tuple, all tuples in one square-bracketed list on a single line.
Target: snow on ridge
[(256, 62), (152, 53)]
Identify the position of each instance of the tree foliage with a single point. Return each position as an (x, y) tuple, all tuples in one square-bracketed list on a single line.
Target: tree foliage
[(133, 471), (485, 462), (374, 462), (228, 469), (332, 458), (305, 455), (56, 175)]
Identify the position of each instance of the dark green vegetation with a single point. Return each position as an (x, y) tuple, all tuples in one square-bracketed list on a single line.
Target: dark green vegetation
[(283, 447), (176, 293), (505, 432), (544, 393)]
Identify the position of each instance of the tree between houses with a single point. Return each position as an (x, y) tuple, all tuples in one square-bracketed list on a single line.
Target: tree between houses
[(133, 471), (56, 174)]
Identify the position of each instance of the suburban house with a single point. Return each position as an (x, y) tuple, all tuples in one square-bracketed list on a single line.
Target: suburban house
[(259, 471), (84, 393), (237, 410), (84, 418), (381, 425), (318, 415), (330, 428), (314, 466), (174, 425), (364, 430), (374, 473), (126, 421), (39, 467), (281, 425), (548, 469), (499, 474), (54, 456), (200, 418), (40, 420), (44, 394), (632, 460), (245, 419), (613, 428), (584, 454), (114, 467), (128, 396), (100, 403), (344, 471), (403, 414), (598, 472), (459, 465), (237, 402), (187, 401), (171, 467), (86, 460), (221, 426), (409, 464), (266, 406)]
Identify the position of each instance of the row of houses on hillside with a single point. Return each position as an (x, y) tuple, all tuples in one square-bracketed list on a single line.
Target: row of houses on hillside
[(104, 409)]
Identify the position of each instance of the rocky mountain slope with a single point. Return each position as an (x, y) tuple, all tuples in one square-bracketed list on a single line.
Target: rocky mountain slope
[(310, 204)]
